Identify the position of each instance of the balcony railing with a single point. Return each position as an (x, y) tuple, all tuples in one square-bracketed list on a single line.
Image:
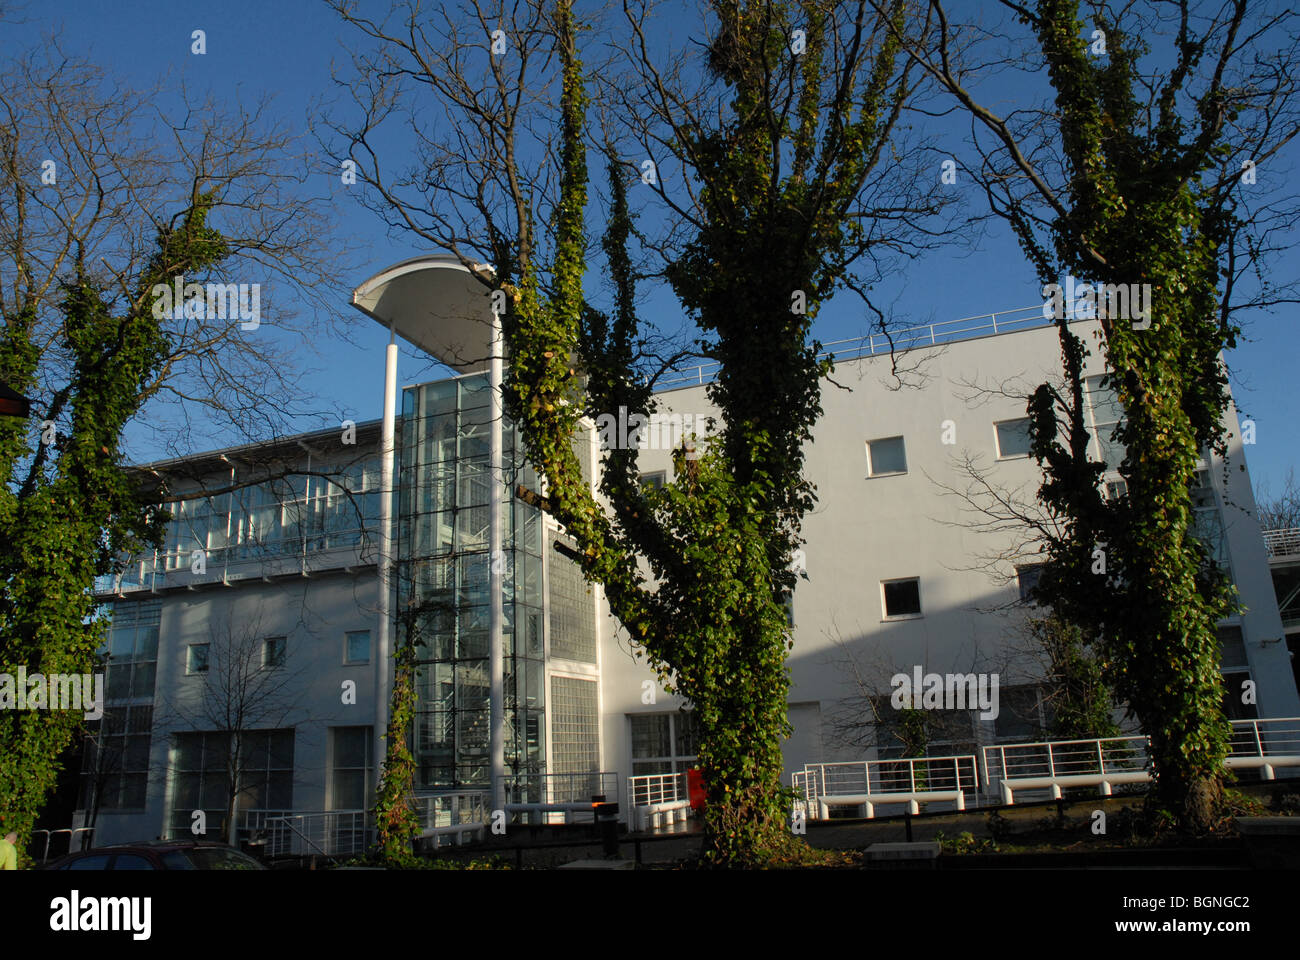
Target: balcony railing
[(327, 833), (1282, 543), (560, 788), (455, 817), (907, 338)]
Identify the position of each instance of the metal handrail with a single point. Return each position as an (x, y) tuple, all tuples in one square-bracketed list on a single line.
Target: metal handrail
[(1251, 738), (888, 776), (1265, 737), (1282, 542), (907, 338), (646, 789), (548, 788), (70, 831)]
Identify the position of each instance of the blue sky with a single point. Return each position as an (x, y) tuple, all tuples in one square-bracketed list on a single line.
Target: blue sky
[(285, 48)]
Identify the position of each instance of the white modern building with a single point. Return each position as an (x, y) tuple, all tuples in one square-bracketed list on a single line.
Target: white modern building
[(287, 576)]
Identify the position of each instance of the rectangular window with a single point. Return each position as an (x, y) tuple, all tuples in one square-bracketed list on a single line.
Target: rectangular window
[(200, 778), (1207, 521), (902, 598), (115, 764), (132, 649), (1013, 438), (352, 752), (946, 733), (273, 652), (1018, 714), (1107, 413), (196, 660), (654, 480), (356, 646), (664, 742), (1234, 696), (1232, 648), (886, 457), (1027, 578)]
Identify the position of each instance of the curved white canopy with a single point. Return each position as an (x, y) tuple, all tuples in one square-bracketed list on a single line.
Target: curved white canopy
[(437, 304)]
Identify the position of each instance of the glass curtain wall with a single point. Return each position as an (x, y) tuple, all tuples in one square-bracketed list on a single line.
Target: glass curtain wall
[(444, 566)]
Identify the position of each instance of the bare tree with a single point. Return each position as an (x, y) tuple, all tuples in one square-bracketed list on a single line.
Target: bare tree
[(1281, 512), (249, 691), (107, 200)]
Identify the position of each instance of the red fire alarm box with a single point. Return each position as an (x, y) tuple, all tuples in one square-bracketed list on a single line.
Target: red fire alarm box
[(695, 788)]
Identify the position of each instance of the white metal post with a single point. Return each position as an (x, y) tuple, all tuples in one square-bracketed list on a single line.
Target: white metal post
[(496, 568), (387, 456)]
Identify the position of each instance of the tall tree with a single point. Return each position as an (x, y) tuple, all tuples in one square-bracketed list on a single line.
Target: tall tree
[(1139, 172), (93, 217), (784, 143)]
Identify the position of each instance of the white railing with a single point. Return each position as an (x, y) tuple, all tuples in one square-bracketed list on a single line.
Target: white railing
[(560, 788), (1260, 744), (1062, 763), (907, 338), (456, 816), (329, 833), (72, 836), (658, 799), (804, 783), (1282, 543), (1265, 744), (868, 783)]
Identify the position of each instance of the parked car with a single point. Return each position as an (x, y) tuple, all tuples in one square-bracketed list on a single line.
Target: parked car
[(159, 855)]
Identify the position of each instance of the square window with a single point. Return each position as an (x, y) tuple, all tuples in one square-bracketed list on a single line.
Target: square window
[(1027, 578), (273, 652), (1013, 438), (1232, 648), (1235, 706), (356, 646), (886, 457), (197, 659), (902, 597)]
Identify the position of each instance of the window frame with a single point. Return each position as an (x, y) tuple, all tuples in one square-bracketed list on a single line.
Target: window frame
[(1026, 596), (678, 762), (190, 671), (997, 439), (347, 661), (270, 663), (872, 472), (886, 616)]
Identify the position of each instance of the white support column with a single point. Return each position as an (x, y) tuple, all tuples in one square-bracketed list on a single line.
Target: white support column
[(387, 473), (496, 568)]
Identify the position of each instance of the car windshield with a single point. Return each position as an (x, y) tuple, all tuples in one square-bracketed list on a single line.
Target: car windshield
[(217, 858)]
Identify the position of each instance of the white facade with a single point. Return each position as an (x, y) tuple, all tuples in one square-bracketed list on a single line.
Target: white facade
[(878, 519), (869, 529)]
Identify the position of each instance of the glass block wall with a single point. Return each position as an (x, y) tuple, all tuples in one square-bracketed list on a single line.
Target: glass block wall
[(443, 570), (573, 627)]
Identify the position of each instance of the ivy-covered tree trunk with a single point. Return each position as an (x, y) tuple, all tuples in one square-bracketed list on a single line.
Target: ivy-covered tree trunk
[(780, 133), (1143, 208), (719, 538), (67, 508), (1079, 701), (396, 823)]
